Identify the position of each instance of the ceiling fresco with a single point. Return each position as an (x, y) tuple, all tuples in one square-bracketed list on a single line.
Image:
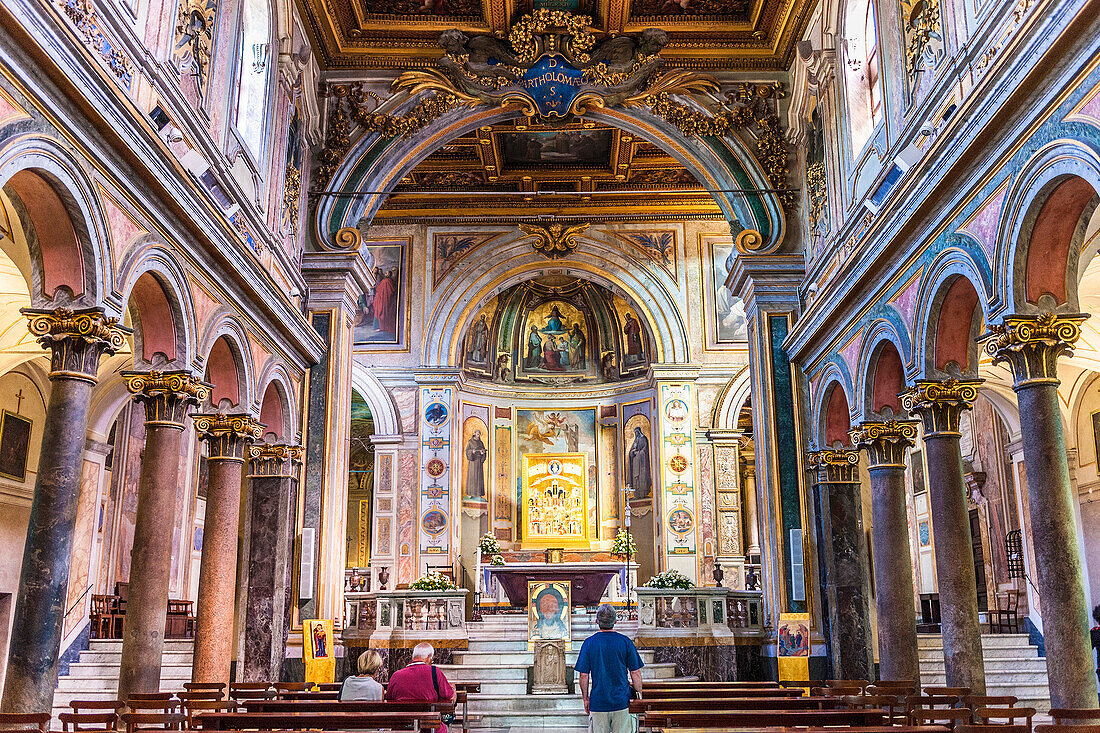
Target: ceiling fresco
[(703, 34)]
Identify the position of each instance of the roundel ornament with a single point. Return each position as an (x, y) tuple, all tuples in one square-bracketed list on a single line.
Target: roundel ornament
[(678, 464), (554, 467), (435, 467), (676, 411)]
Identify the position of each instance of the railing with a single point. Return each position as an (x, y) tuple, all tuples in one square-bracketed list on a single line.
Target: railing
[(386, 614), (716, 612)]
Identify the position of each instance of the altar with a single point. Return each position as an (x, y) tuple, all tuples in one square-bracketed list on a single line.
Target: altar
[(591, 583)]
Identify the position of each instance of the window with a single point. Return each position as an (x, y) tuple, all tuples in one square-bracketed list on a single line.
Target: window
[(252, 73), (870, 35)]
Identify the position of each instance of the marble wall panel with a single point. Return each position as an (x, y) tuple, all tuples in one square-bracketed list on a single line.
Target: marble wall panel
[(406, 516)]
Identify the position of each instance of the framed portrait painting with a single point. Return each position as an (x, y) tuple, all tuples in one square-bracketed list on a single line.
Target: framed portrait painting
[(548, 610), (382, 313), (15, 439), (723, 312)]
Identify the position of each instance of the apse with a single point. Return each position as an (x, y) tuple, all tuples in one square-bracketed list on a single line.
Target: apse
[(556, 330)]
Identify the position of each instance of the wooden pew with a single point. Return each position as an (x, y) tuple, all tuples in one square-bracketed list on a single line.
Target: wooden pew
[(754, 703), (672, 693), (322, 721), (760, 718), (699, 683), (351, 706)]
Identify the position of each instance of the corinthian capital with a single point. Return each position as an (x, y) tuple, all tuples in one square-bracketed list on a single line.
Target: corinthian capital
[(885, 442), (1031, 344), (76, 338), (227, 436), (274, 460), (834, 465), (939, 403), (167, 396)]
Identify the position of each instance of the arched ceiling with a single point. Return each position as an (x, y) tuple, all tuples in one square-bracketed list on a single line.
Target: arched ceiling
[(704, 34)]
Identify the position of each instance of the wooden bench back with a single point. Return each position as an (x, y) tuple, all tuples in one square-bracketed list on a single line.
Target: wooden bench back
[(317, 721)]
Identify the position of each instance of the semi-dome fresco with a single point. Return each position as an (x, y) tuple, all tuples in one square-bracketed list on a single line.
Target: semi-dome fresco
[(556, 330)]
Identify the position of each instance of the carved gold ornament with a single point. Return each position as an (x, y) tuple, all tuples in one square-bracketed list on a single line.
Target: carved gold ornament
[(555, 240), (885, 442), (939, 403), (76, 338), (1031, 344)]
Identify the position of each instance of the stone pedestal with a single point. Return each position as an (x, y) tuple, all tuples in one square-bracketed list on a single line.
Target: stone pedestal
[(167, 397), (227, 437), (272, 483), (886, 443), (843, 554), (1031, 346), (939, 405), (549, 671), (77, 340)]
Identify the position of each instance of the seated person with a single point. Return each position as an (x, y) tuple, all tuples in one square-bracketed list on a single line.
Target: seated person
[(365, 686), (421, 680)]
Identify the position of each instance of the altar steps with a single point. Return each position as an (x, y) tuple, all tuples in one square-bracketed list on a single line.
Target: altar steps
[(498, 658)]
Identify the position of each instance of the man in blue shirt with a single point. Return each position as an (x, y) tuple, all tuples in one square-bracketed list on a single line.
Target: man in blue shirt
[(611, 661)]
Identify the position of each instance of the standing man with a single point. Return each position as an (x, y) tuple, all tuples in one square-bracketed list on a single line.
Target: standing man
[(611, 661)]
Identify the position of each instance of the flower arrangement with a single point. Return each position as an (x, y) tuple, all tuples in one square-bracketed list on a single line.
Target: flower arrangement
[(623, 544), (670, 579), (488, 544), (432, 581), (497, 560)]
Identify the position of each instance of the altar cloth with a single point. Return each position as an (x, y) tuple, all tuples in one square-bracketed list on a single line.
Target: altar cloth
[(587, 581)]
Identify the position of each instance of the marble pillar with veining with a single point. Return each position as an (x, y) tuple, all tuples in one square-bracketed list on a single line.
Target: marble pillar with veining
[(939, 405), (885, 443), (77, 340), (168, 398), (1031, 346), (272, 483)]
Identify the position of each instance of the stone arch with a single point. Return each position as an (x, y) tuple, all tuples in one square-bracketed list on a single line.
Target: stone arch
[(274, 375), (56, 206), (159, 301), (733, 398), (883, 376), (951, 311), (227, 361), (835, 418), (377, 165), (516, 262), (832, 377), (378, 399), (275, 412), (1042, 235)]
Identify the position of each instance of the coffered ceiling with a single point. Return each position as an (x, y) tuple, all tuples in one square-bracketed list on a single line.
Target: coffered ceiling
[(704, 34), (518, 170)]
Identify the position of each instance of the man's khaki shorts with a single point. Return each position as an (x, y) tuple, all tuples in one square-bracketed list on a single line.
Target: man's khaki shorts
[(616, 721)]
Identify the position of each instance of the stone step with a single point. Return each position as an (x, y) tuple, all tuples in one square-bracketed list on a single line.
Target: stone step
[(934, 641), (114, 659), (485, 704), (988, 652), (542, 720), (115, 645), (525, 657), (997, 664)]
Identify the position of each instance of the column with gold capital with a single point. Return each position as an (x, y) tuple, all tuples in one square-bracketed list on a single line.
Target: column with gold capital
[(227, 439), (273, 471), (168, 398), (835, 475), (886, 443), (77, 339), (939, 405), (1031, 346)]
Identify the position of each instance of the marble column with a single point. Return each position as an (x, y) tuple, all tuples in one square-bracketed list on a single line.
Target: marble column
[(885, 443), (227, 439), (844, 557), (272, 488), (77, 340), (939, 405), (167, 398), (1031, 345)]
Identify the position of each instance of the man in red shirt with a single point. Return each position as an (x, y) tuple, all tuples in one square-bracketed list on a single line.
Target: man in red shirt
[(421, 680)]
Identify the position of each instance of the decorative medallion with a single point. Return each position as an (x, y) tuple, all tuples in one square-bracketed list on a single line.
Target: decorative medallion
[(677, 464), (435, 468)]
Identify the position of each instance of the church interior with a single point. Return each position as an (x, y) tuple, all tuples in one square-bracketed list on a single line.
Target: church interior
[(346, 326)]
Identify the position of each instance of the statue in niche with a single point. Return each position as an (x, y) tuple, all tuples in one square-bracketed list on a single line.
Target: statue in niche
[(477, 349), (475, 466), (638, 476)]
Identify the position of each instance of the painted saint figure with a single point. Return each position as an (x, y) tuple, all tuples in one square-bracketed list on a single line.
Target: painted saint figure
[(638, 476), (478, 351), (553, 322), (551, 357), (576, 348), (534, 348), (475, 466), (549, 623), (385, 300), (633, 331)]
